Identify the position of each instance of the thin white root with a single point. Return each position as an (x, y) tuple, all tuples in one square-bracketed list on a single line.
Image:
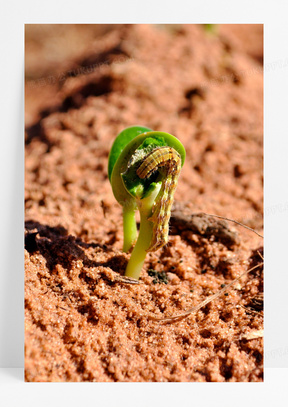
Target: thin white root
[(235, 221), (205, 302)]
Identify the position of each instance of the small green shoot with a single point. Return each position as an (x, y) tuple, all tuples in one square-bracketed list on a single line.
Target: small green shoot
[(211, 28), (143, 170)]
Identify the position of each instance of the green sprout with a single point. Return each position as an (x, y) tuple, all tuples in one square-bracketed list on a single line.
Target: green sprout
[(211, 28), (143, 170)]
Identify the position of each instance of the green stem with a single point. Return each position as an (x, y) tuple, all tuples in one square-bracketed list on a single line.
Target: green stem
[(139, 252), (138, 255), (129, 228)]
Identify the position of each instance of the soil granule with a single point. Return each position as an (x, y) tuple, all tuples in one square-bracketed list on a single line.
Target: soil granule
[(82, 323)]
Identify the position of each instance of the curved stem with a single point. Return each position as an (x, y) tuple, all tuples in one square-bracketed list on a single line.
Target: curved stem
[(138, 255), (139, 252), (129, 228)]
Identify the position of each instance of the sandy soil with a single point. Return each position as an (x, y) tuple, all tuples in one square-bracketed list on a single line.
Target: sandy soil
[(206, 88)]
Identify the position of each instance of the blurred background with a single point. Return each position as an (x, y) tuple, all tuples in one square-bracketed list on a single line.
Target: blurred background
[(55, 52)]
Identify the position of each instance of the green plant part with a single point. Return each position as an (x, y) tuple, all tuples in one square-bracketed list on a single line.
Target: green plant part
[(211, 28), (143, 170)]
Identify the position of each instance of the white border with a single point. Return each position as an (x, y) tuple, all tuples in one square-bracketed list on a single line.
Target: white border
[(272, 392)]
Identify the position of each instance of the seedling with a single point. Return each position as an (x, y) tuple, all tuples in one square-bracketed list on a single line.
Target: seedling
[(143, 170), (210, 28)]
